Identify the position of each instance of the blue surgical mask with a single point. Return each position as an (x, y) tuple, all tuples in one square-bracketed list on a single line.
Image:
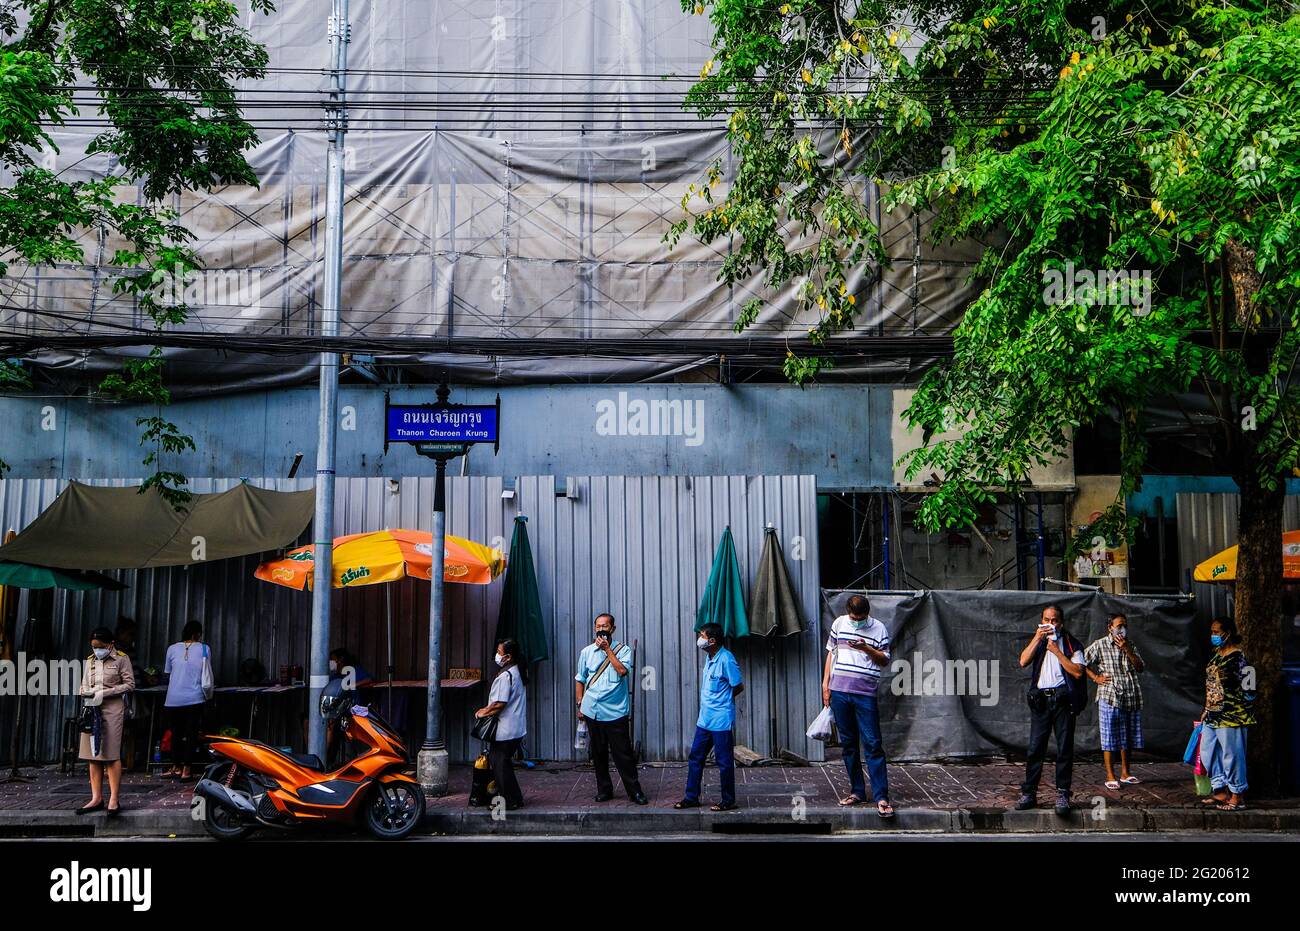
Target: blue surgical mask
[(1216, 639), (858, 621)]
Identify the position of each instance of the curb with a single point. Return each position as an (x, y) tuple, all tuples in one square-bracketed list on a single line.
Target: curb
[(584, 822)]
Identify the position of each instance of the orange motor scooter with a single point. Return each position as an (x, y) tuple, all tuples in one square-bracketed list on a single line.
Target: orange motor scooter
[(254, 785)]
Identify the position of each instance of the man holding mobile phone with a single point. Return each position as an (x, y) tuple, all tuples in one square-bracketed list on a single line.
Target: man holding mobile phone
[(1057, 693), (857, 651)]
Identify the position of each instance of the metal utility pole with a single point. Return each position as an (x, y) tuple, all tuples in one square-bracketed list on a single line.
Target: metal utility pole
[(433, 763), (323, 526)]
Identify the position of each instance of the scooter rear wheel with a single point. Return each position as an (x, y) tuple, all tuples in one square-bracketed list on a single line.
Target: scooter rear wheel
[(394, 810), (221, 822)]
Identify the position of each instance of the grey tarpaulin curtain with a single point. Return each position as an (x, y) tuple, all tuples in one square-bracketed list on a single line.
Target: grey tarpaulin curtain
[(773, 605), (942, 639), (97, 527)]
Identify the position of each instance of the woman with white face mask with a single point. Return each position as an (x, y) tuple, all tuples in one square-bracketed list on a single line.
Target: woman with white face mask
[(508, 703), (106, 677)]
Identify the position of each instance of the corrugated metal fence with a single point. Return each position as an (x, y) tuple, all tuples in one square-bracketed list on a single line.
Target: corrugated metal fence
[(1207, 524), (638, 546)]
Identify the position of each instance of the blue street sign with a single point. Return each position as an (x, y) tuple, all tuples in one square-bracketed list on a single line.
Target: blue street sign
[(442, 424)]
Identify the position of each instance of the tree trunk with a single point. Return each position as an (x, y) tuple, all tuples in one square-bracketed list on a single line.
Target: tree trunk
[(1258, 606)]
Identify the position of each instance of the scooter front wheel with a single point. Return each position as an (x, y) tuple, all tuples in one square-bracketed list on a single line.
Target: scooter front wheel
[(394, 809)]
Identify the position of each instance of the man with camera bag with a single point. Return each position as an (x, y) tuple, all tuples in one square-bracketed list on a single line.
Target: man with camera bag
[(1057, 693), (605, 703)]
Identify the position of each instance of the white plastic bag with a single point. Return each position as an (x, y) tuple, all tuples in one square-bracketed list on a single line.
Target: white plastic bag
[(820, 729), (581, 738)]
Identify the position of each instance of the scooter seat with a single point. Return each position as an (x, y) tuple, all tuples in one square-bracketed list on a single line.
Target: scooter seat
[(310, 760)]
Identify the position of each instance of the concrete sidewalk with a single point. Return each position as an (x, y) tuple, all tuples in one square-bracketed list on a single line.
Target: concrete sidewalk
[(559, 799)]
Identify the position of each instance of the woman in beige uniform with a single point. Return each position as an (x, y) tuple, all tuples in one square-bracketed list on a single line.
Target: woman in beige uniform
[(105, 679)]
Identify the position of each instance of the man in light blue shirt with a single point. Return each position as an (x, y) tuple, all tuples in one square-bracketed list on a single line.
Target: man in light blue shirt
[(601, 688), (720, 683)]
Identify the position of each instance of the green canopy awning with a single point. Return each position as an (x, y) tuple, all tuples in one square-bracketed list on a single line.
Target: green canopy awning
[(107, 527), (773, 607), (22, 575), (521, 604), (724, 600)]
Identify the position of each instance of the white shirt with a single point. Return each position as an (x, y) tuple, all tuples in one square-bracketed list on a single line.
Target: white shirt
[(512, 720), (1050, 674)]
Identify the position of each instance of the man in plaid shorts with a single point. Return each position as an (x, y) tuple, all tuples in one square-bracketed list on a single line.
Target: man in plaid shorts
[(1114, 664)]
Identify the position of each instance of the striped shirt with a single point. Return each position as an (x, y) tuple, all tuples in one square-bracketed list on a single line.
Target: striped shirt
[(1105, 658), (853, 671)]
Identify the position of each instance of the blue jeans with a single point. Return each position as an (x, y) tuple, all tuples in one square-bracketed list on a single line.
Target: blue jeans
[(723, 744), (858, 718), (1223, 754)]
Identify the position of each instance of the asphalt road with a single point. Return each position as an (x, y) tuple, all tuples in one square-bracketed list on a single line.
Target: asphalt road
[(1218, 837)]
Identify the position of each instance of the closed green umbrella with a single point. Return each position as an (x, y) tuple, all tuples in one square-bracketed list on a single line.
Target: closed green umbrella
[(521, 605), (773, 605), (23, 575), (724, 600)]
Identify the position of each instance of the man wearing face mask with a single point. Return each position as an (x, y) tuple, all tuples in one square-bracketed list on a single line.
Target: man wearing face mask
[(1114, 664), (601, 688), (720, 684), (1057, 693), (857, 650)]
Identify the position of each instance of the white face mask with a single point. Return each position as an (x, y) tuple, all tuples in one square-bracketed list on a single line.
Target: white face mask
[(334, 666), (500, 660), (702, 643), (1121, 632), (102, 652)]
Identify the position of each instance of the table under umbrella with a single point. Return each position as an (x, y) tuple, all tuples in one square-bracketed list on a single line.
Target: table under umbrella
[(387, 556)]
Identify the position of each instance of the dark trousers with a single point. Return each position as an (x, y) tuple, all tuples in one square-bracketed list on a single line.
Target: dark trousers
[(1053, 716), (184, 722), (858, 719), (613, 738), (723, 744), (500, 758)]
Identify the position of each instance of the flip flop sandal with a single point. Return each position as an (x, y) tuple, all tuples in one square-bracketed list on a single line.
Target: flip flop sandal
[(884, 809), (850, 800), (721, 807), (684, 803), (1112, 784), (1228, 806), (1210, 800), (1131, 781)]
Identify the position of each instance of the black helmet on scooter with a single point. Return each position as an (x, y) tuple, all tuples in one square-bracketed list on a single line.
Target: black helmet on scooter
[(334, 701)]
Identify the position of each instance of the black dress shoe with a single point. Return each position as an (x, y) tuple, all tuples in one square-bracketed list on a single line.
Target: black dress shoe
[(604, 796), (640, 799), (113, 812), (92, 808)]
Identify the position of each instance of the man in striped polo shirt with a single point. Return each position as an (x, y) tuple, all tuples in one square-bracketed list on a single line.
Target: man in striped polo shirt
[(857, 650)]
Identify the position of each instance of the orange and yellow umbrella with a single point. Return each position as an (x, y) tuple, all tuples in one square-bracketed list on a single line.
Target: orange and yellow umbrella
[(1222, 567), (386, 556)]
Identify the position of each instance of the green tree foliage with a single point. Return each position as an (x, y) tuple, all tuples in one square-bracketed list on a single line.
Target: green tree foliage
[(1151, 147), (161, 76)]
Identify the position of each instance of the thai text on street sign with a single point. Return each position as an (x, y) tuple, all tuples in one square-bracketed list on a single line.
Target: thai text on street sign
[(442, 431)]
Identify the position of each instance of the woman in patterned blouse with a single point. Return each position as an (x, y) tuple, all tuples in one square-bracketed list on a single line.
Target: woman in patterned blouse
[(1229, 692)]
